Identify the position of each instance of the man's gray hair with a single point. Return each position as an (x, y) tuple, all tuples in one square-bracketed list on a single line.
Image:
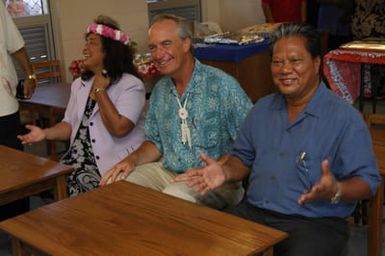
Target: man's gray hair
[(184, 26)]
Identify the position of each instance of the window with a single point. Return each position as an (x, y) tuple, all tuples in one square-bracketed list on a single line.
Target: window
[(24, 8), (33, 19)]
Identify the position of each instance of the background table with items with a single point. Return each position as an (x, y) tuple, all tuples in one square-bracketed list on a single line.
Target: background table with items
[(49, 102), (249, 64)]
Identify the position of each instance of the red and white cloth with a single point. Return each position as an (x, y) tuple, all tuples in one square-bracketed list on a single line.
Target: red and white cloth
[(342, 70)]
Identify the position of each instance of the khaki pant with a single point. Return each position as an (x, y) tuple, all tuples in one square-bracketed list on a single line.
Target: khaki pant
[(155, 176)]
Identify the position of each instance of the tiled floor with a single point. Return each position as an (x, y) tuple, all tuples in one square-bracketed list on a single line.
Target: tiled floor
[(357, 242)]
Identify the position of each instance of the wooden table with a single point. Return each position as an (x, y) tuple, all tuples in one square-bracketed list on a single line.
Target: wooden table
[(127, 219), (50, 97), (50, 102), (23, 175)]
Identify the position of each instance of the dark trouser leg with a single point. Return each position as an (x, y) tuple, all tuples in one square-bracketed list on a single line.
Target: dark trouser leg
[(9, 128), (307, 236)]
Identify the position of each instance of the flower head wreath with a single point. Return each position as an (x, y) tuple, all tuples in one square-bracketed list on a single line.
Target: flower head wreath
[(105, 31)]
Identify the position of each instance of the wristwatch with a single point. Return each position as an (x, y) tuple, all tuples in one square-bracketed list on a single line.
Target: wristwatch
[(99, 89), (32, 77), (337, 196)]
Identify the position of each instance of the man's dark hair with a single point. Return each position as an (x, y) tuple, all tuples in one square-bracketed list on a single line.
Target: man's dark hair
[(311, 35)]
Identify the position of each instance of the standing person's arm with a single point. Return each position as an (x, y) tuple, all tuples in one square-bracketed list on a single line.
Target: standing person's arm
[(30, 80), (14, 44), (267, 12)]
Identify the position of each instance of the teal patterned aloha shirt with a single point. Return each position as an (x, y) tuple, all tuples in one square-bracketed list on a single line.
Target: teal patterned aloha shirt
[(216, 107)]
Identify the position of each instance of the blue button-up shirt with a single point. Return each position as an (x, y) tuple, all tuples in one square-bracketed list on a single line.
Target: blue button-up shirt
[(216, 106), (286, 157)]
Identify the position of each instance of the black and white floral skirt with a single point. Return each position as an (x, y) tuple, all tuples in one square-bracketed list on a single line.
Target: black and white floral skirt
[(80, 156)]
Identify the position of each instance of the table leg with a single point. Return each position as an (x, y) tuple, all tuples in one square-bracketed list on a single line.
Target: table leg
[(17, 248), (51, 146), (362, 88), (268, 252), (375, 222), (375, 79), (61, 188)]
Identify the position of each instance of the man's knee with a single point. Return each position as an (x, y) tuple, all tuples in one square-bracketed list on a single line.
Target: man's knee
[(182, 191), (137, 178), (150, 175)]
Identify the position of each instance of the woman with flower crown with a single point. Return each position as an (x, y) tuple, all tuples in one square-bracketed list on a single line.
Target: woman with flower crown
[(104, 115)]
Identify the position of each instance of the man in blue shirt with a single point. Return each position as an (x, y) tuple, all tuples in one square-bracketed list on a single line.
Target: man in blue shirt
[(306, 153), (193, 109)]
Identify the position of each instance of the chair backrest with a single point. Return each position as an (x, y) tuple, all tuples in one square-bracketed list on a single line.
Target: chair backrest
[(47, 71), (376, 124)]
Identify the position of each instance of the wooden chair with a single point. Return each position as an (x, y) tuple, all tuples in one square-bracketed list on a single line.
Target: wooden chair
[(376, 124), (47, 71)]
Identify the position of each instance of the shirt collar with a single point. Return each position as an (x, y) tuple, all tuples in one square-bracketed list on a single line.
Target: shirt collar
[(313, 108), (193, 81), (86, 83)]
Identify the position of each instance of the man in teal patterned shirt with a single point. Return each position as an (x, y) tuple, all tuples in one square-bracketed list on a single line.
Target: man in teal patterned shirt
[(194, 109)]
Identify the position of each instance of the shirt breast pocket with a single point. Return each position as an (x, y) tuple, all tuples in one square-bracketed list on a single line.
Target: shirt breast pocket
[(309, 170), (205, 130)]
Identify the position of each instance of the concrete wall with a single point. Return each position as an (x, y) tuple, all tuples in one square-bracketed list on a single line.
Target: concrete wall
[(233, 15), (73, 16)]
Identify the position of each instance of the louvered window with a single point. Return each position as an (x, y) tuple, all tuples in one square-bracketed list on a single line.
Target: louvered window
[(37, 42), (189, 9)]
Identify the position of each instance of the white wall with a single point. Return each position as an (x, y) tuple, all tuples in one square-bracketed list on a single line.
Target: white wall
[(239, 14), (73, 17), (233, 15)]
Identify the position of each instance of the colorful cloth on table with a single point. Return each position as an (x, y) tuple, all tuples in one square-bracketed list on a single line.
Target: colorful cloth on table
[(342, 70)]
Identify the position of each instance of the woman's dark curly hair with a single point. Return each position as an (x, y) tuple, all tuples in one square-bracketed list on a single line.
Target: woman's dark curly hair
[(118, 56)]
